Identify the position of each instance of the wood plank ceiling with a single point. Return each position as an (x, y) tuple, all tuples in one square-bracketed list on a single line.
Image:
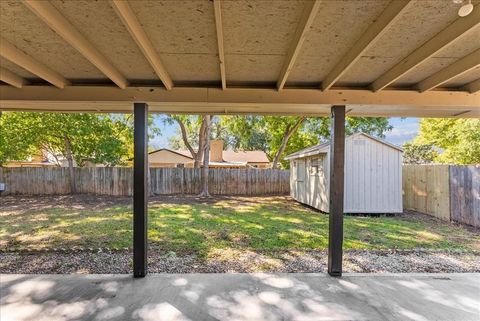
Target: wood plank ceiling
[(353, 47)]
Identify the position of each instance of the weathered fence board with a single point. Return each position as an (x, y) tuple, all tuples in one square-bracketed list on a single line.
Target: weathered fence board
[(449, 192), (117, 181), (465, 194), (426, 189)]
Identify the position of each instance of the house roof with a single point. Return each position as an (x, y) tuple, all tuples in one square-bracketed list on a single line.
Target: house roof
[(178, 152), (323, 147), (380, 58), (251, 156), (229, 156)]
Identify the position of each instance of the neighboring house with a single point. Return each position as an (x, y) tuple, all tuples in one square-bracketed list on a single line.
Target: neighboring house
[(40, 160), (47, 159), (218, 158), (170, 158), (373, 175)]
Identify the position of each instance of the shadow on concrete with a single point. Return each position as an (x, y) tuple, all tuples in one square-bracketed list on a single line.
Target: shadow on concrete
[(240, 297)]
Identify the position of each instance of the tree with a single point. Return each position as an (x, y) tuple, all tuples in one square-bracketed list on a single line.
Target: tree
[(189, 127), (458, 139), (268, 133), (415, 153), (206, 157), (16, 143), (282, 135), (289, 130), (124, 127), (192, 126), (277, 136), (196, 129), (244, 132), (77, 137)]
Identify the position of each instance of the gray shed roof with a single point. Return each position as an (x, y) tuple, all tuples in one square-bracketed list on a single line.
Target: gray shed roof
[(323, 147)]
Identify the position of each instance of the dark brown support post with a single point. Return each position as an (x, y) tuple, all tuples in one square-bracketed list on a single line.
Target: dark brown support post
[(140, 189), (337, 160)]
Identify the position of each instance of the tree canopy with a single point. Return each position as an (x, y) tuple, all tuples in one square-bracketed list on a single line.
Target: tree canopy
[(415, 153), (277, 136), (458, 140), (15, 142), (87, 137), (268, 133)]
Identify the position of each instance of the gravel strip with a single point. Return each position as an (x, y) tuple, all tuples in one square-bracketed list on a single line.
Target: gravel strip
[(240, 261)]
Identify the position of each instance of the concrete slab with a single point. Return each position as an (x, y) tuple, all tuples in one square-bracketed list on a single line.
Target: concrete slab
[(241, 297)]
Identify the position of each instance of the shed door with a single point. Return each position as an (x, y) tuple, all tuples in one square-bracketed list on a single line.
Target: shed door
[(301, 180)]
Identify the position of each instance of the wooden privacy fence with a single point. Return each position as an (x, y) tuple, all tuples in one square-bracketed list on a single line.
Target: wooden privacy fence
[(117, 181), (449, 192)]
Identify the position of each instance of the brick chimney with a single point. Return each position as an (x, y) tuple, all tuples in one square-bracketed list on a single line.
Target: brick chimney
[(216, 150)]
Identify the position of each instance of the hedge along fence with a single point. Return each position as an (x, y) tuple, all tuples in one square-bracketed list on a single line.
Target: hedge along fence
[(449, 192), (118, 181)]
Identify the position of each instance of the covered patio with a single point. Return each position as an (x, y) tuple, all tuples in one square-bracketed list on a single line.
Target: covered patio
[(240, 297), (399, 58), (316, 58)]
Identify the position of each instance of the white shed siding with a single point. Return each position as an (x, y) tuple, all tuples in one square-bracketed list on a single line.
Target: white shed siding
[(373, 178)]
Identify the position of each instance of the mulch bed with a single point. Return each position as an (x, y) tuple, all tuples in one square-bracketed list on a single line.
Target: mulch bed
[(102, 261)]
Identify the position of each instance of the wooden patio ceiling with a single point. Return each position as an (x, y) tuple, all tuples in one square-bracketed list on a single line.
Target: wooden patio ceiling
[(377, 57)]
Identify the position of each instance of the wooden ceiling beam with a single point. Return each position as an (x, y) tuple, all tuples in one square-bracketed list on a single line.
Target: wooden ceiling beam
[(456, 69), (308, 16), (127, 16), (182, 100), (12, 78), (18, 57), (472, 87), (55, 20), (447, 36), (247, 100), (377, 29), (221, 52)]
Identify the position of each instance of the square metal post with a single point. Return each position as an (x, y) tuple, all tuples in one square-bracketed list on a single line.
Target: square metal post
[(140, 189), (337, 173)]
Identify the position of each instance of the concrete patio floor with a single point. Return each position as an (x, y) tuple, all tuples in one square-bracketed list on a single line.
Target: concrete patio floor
[(241, 297)]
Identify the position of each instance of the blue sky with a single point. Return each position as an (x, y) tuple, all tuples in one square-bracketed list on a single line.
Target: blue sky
[(167, 130), (404, 129)]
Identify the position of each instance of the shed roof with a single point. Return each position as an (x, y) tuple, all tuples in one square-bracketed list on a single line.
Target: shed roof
[(323, 147), (379, 57)]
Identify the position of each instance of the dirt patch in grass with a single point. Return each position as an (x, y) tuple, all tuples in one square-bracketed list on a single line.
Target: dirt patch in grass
[(23, 204)]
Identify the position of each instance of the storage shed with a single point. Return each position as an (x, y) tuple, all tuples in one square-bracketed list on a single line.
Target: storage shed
[(373, 175)]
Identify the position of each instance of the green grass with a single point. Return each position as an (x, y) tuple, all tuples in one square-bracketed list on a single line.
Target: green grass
[(246, 223)]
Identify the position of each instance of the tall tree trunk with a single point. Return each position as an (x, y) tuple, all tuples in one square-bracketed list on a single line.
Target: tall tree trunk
[(206, 157), (197, 156), (183, 129), (68, 149), (51, 152), (201, 142), (286, 136)]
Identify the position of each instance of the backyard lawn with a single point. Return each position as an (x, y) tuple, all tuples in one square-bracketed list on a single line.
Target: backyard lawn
[(188, 225)]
